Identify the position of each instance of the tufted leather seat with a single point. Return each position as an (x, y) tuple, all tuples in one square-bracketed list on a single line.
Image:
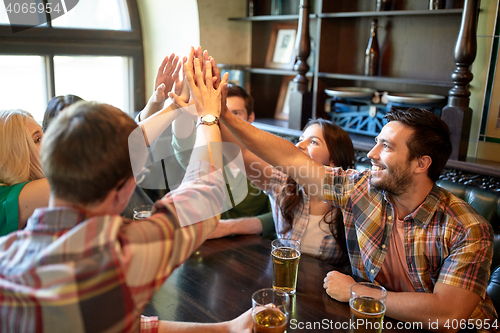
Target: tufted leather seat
[(486, 203)]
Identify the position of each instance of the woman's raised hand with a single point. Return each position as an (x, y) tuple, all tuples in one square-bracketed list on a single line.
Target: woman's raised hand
[(205, 90), (168, 73)]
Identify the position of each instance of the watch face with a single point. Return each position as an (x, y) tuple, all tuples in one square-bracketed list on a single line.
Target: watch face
[(208, 118)]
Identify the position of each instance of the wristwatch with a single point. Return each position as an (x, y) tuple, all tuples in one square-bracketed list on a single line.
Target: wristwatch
[(208, 119)]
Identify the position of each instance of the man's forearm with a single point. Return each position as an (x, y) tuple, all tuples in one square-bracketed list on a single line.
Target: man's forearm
[(150, 109), (207, 146), (278, 152), (240, 324), (425, 308), (240, 226), (152, 127), (259, 142), (182, 327), (202, 193), (246, 225)]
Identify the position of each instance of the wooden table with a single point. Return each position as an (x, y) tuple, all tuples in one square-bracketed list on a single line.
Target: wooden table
[(216, 284)]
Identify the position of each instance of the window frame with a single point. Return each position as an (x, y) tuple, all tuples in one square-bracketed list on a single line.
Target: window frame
[(49, 42)]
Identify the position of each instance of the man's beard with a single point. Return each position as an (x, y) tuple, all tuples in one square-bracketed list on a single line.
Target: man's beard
[(395, 182)]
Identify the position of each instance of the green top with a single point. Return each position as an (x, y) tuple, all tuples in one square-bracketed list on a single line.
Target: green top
[(9, 207), (256, 203)]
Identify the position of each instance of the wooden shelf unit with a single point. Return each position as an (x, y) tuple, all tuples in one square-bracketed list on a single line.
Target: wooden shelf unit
[(416, 49)]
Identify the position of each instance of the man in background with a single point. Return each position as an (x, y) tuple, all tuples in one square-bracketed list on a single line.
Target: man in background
[(249, 213)]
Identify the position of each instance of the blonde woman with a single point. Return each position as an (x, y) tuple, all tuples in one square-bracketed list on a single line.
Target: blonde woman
[(23, 187)]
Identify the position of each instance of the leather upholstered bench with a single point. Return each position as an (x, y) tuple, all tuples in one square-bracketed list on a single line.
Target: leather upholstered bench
[(486, 203)]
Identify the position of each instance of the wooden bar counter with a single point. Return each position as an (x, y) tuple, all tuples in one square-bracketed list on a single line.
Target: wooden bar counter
[(216, 284)]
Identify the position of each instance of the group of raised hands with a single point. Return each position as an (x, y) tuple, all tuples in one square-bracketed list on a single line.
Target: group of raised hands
[(201, 85)]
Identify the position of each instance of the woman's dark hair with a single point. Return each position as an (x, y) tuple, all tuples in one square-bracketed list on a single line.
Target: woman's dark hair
[(341, 152), (56, 105)]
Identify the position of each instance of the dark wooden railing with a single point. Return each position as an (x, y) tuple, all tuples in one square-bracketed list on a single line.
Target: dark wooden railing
[(457, 114), (301, 97)]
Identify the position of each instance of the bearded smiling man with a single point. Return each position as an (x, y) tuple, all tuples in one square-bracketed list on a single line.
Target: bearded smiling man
[(391, 172), (421, 242)]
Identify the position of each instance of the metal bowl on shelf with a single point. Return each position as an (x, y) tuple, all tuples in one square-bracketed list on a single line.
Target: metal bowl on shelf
[(410, 98), (350, 92)]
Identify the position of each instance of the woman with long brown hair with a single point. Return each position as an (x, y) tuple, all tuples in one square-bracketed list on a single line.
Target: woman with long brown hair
[(298, 214)]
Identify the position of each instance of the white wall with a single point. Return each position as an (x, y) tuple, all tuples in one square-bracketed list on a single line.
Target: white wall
[(229, 42), (168, 26)]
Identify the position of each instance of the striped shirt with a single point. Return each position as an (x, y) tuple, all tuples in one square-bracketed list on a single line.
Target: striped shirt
[(329, 250), (149, 324), (446, 240), (68, 272)]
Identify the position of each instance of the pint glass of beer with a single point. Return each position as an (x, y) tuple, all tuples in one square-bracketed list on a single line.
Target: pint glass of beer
[(286, 255), (367, 303), (270, 310)]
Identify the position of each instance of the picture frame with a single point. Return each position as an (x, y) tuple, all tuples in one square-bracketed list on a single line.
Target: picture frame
[(283, 104), (281, 50)]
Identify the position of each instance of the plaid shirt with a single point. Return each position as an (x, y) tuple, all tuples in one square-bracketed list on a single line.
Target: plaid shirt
[(328, 250), (446, 240), (67, 272), (149, 324)]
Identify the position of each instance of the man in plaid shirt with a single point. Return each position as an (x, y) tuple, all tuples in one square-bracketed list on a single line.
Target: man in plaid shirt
[(79, 266), (428, 247)]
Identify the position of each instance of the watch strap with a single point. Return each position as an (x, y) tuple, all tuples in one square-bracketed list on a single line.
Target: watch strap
[(202, 121)]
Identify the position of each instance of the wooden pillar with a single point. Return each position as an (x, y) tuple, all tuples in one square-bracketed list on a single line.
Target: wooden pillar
[(457, 114), (301, 96)]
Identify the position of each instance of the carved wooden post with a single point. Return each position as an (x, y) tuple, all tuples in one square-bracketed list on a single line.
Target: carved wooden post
[(457, 114), (301, 97)]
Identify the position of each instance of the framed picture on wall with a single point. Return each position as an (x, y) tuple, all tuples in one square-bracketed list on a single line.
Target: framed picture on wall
[(281, 50), (283, 105)]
